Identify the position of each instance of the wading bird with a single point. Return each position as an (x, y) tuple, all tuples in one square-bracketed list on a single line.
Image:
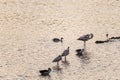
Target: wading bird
[(57, 59), (85, 38), (65, 53)]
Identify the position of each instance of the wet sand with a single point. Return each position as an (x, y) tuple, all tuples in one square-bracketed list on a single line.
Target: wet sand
[(27, 28)]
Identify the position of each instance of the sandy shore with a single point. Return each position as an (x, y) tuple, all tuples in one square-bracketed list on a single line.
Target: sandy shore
[(27, 28)]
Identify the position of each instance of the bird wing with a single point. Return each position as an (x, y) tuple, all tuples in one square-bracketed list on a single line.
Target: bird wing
[(66, 52), (84, 37), (78, 50), (56, 40), (57, 59)]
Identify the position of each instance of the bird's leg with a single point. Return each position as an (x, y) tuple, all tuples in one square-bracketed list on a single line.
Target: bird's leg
[(57, 65), (61, 41), (84, 46), (65, 58)]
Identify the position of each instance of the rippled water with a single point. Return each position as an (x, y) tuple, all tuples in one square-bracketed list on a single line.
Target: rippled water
[(27, 28)]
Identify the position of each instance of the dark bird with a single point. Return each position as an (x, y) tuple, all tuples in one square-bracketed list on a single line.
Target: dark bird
[(66, 52), (115, 37), (98, 42), (58, 40), (103, 41), (85, 38), (79, 52), (45, 72), (57, 59)]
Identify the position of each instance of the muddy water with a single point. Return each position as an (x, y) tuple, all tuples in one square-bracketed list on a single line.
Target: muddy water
[(27, 28)]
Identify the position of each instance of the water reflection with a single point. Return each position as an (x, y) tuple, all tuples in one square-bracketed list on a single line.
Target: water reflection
[(59, 73), (56, 68), (65, 64), (85, 58), (45, 77)]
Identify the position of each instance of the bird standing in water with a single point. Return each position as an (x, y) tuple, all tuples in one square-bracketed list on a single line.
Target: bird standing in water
[(57, 59), (85, 38), (65, 53)]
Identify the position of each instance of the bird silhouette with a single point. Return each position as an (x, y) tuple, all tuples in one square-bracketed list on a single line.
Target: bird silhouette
[(79, 52), (58, 40), (85, 38), (104, 41), (57, 59), (45, 72), (65, 53)]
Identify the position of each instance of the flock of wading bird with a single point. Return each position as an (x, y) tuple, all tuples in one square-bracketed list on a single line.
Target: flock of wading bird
[(80, 52)]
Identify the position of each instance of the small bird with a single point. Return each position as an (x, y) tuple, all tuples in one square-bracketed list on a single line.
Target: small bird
[(45, 72), (79, 52), (98, 42), (65, 53), (58, 40), (57, 59)]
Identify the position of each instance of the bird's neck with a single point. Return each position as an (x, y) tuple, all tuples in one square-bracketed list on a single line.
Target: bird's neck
[(61, 40), (49, 70)]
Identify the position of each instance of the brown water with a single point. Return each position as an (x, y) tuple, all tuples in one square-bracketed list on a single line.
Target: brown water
[(27, 28)]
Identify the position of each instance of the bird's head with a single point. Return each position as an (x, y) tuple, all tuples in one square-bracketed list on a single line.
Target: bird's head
[(91, 35), (60, 55), (68, 47), (62, 38), (49, 69)]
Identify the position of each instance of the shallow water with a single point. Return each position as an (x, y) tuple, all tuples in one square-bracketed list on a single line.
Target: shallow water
[(27, 28)]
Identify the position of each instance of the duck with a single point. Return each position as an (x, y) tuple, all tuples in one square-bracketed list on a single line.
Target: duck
[(45, 72), (58, 40), (79, 52)]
